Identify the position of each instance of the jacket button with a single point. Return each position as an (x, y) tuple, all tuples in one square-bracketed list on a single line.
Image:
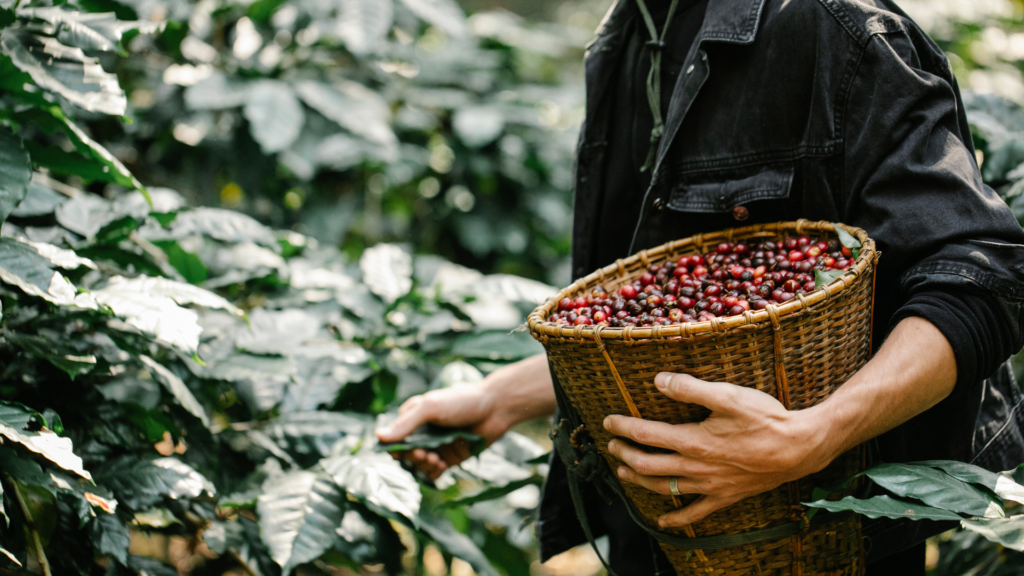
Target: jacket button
[(740, 213), (658, 204)]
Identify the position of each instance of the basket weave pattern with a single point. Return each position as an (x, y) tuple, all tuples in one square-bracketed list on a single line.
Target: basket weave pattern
[(798, 352)]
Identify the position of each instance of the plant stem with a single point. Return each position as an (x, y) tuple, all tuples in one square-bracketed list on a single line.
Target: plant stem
[(32, 528)]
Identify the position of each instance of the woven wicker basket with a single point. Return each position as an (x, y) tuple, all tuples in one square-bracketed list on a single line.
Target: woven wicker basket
[(799, 352)]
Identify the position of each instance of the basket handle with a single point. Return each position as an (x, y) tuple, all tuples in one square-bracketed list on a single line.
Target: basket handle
[(781, 383)]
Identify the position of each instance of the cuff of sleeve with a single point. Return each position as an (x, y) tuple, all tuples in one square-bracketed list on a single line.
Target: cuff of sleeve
[(942, 311)]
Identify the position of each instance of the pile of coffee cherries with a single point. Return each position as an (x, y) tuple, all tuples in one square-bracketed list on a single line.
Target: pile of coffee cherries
[(732, 279)]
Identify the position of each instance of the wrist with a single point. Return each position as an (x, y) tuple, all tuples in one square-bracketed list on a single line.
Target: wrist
[(818, 438)]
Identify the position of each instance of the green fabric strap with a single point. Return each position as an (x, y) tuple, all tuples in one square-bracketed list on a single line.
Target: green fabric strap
[(656, 45)]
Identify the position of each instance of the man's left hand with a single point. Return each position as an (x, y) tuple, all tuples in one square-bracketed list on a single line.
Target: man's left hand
[(750, 444)]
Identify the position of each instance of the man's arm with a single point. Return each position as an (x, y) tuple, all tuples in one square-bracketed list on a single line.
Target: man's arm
[(513, 394), (751, 444)]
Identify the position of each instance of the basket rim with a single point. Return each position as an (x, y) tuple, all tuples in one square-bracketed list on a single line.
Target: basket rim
[(540, 327)]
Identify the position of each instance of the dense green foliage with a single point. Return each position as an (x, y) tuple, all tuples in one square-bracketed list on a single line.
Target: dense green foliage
[(135, 400)]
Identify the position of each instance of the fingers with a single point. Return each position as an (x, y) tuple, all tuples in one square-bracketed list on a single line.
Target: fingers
[(698, 510), (646, 432), (718, 396), (659, 484), (649, 464), (414, 413)]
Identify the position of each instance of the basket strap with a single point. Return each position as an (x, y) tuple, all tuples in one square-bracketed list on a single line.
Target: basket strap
[(781, 383), (615, 374)]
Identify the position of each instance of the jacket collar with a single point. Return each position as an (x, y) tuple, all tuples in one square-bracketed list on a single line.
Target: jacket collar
[(732, 21)]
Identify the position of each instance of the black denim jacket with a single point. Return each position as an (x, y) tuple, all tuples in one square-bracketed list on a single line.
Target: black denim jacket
[(838, 110)]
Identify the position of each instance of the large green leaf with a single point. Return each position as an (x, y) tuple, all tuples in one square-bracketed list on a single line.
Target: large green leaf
[(493, 492), (57, 353), (299, 512), (379, 481), (224, 225), (88, 31), (1002, 485), (155, 306), (362, 24), (141, 484), (62, 69), (444, 14), (15, 172), (352, 106), (1008, 532), (110, 536), (177, 388), (48, 445), (848, 241), (935, 488), (39, 201), (23, 265), (432, 437), (885, 507), (387, 270), (311, 434), (274, 114)]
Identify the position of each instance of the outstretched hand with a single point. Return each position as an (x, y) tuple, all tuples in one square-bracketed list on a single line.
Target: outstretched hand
[(750, 444)]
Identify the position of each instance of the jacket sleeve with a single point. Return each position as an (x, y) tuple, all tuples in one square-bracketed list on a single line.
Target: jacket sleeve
[(952, 252)]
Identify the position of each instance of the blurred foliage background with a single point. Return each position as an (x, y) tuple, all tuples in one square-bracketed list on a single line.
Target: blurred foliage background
[(379, 175)]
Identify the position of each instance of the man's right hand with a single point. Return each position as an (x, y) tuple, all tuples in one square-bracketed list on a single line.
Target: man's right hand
[(513, 394)]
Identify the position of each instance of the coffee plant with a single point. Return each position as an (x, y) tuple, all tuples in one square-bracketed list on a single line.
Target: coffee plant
[(189, 371)]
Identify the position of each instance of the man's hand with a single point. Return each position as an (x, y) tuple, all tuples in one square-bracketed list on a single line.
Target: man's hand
[(513, 394), (750, 444)]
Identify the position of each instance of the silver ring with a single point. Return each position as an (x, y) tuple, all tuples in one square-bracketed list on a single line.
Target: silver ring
[(673, 486)]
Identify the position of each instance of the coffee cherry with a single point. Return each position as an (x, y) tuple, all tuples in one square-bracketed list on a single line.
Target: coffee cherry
[(724, 248), (628, 292), (796, 256), (565, 304), (646, 279), (582, 321), (600, 316)]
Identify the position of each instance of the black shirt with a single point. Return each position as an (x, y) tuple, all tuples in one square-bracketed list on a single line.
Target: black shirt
[(841, 111)]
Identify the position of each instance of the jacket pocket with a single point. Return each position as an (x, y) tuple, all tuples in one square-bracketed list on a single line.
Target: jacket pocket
[(723, 194)]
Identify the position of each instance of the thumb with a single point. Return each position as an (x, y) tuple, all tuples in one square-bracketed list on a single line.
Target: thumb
[(718, 396), (415, 413)]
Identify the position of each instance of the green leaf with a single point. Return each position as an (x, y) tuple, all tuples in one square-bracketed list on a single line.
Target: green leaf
[(431, 437), (116, 231), (378, 481), (23, 265), (224, 225), (67, 359), (848, 241), (110, 536), (9, 556), (186, 263), (154, 306), (885, 506), (456, 543), (1008, 532), (387, 270), (261, 10), (352, 106), (141, 484), (177, 388), (1003, 485), (493, 493), (497, 346), (823, 277), (86, 214), (274, 114), (444, 14), (311, 434), (7, 17), (15, 171), (88, 31), (62, 69), (298, 513), (362, 24), (39, 201), (935, 489), (43, 442)]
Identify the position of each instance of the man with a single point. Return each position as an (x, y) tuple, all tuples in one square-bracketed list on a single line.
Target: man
[(708, 114)]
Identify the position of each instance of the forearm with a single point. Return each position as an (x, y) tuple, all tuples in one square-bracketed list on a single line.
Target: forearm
[(523, 391), (913, 370)]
